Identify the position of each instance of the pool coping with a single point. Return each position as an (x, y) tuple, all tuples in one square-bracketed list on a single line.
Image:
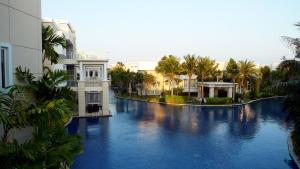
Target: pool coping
[(291, 151), (210, 105)]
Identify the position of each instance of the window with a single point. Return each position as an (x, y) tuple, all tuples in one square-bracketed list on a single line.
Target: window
[(93, 97), (185, 83), (96, 73), (4, 67), (91, 73)]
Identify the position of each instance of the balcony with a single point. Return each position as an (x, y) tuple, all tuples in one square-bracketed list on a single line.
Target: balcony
[(72, 83), (93, 83)]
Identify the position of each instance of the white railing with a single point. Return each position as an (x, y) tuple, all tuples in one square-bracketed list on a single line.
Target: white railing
[(93, 83)]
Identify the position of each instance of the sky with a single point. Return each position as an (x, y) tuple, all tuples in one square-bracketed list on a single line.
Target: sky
[(146, 30)]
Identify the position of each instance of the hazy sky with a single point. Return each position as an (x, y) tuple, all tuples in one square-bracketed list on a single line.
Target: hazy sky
[(145, 30)]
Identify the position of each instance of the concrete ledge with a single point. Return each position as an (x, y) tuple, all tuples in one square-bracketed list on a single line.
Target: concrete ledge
[(96, 116), (203, 105), (291, 151)]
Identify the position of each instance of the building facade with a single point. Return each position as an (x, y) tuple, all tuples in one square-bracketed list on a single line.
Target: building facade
[(93, 85), (20, 38), (87, 74), (20, 45), (210, 89)]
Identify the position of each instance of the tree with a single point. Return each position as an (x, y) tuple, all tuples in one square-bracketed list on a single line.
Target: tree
[(13, 111), (290, 86), (160, 68), (265, 72), (247, 72), (232, 71), (119, 78), (49, 41), (170, 67), (189, 68), (206, 68), (46, 108), (149, 80)]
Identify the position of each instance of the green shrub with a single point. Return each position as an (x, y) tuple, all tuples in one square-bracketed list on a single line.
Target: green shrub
[(162, 99), (175, 99), (178, 91), (219, 100), (153, 99), (237, 96)]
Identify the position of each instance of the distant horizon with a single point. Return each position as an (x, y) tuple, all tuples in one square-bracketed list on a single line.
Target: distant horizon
[(134, 31)]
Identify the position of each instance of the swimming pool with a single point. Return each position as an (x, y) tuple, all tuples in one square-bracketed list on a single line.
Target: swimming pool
[(143, 135)]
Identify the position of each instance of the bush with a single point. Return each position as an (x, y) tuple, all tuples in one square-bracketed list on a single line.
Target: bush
[(173, 99), (178, 90), (237, 96), (162, 99), (219, 100)]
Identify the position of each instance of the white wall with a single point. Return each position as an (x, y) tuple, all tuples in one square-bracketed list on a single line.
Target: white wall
[(20, 26)]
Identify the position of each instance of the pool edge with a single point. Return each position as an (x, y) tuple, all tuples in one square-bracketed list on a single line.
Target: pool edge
[(291, 151)]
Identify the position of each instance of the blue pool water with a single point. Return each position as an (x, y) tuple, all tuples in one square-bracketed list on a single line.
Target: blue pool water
[(143, 135)]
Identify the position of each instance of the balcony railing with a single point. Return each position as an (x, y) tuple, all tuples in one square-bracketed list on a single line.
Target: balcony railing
[(72, 83), (93, 83)]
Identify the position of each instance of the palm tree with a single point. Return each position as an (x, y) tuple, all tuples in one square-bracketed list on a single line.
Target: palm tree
[(149, 80), (206, 68), (247, 72), (170, 67), (189, 68), (232, 71), (49, 41), (160, 68)]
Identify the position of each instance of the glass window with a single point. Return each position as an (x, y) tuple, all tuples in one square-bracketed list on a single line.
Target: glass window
[(4, 67), (185, 83), (91, 73), (96, 73)]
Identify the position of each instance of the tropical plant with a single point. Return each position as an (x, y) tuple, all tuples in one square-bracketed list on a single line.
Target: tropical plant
[(13, 112), (149, 81), (160, 68), (50, 40), (289, 71), (232, 71), (189, 68), (206, 69), (47, 105), (169, 66), (119, 78), (247, 72)]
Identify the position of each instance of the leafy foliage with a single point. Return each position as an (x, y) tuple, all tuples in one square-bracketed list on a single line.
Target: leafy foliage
[(43, 104), (169, 66), (189, 68), (49, 41)]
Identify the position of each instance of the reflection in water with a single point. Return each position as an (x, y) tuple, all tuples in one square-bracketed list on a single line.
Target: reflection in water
[(149, 135), (242, 121)]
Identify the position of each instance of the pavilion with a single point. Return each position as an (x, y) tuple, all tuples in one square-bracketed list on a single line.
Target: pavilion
[(217, 89)]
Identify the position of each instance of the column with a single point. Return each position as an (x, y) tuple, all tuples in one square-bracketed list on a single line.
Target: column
[(82, 73), (105, 99), (105, 71), (199, 91), (229, 92), (81, 99), (211, 92)]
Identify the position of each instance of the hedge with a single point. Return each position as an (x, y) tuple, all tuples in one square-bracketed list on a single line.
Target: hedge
[(219, 100)]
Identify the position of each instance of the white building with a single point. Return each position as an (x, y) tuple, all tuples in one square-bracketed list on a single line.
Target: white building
[(87, 74), (20, 38), (93, 86), (20, 45), (67, 55), (211, 89)]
